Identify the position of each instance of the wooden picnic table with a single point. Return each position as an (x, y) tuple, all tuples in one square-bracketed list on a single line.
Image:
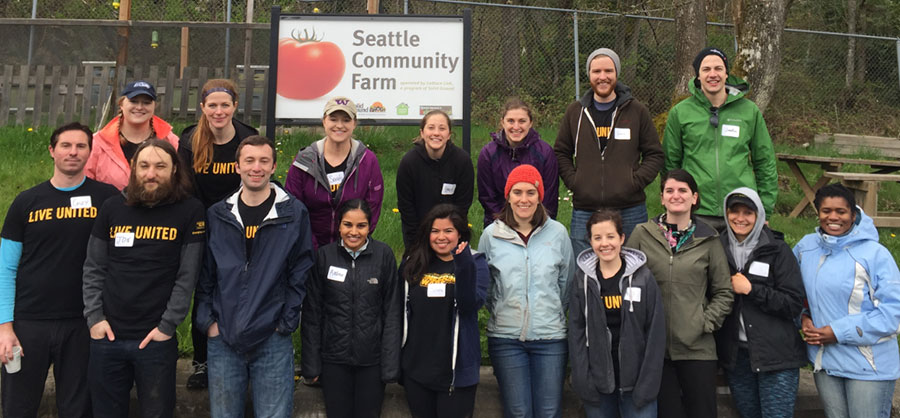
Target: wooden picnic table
[(828, 164)]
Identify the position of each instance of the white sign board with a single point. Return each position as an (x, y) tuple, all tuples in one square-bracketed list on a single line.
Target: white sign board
[(393, 67)]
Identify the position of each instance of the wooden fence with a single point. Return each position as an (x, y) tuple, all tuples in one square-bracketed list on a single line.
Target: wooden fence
[(41, 95)]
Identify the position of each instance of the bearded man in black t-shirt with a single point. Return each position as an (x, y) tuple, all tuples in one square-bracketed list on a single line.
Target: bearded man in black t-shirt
[(43, 244), (143, 260)]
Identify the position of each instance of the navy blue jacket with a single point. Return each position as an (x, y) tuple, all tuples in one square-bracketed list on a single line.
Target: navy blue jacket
[(472, 280), (253, 296)]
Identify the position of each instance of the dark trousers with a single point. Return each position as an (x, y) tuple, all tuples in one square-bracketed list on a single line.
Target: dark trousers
[(688, 389), (427, 403), (762, 394), (116, 365), (198, 337), (62, 343), (352, 392)]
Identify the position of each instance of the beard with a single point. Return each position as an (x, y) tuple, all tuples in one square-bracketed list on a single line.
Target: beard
[(140, 195)]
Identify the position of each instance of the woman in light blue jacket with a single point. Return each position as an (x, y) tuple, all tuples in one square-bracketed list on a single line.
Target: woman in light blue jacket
[(853, 286), (531, 262)]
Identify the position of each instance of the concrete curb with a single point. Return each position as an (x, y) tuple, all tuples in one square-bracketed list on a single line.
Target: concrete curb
[(308, 401)]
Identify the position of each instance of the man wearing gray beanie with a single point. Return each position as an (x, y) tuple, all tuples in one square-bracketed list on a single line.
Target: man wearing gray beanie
[(607, 148)]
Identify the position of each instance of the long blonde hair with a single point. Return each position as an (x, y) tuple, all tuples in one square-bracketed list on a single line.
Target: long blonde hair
[(202, 139)]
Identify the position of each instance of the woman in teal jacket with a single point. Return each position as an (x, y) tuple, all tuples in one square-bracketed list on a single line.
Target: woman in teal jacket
[(531, 262)]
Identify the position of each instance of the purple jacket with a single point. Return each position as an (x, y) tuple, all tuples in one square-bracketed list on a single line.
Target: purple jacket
[(307, 181), (497, 160)]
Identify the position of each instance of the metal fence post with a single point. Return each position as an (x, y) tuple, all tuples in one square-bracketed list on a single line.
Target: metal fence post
[(31, 30), (898, 59), (228, 39), (575, 31)]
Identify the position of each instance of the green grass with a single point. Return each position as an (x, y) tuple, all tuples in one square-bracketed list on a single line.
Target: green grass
[(25, 162)]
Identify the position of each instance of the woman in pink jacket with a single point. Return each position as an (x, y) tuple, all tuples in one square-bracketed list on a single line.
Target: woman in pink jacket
[(115, 144)]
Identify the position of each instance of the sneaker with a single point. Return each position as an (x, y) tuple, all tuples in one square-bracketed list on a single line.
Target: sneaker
[(199, 379)]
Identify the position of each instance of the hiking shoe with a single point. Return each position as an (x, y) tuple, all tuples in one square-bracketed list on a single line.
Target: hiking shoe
[(199, 379)]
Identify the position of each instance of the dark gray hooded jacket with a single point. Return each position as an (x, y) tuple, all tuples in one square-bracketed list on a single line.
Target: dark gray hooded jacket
[(642, 338)]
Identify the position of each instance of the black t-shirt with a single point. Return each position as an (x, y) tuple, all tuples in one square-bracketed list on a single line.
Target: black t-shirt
[(426, 356), (219, 179), (252, 216), (143, 257), (129, 148), (336, 174), (53, 226), (612, 305), (602, 114)]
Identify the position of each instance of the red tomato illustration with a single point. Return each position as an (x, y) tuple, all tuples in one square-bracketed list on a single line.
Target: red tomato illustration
[(307, 67)]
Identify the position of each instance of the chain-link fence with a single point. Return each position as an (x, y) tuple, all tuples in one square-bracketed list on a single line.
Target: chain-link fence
[(535, 53)]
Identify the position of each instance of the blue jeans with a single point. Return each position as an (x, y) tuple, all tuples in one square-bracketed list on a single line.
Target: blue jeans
[(764, 394), (115, 366), (270, 369), (618, 404), (578, 233), (851, 398), (530, 375)]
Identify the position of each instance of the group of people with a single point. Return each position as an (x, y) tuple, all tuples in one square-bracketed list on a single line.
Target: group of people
[(641, 312)]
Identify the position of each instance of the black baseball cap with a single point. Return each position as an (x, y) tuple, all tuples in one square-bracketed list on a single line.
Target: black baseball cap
[(740, 199), (137, 88)]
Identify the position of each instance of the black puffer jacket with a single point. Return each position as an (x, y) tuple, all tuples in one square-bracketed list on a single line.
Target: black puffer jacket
[(774, 303), (356, 321)]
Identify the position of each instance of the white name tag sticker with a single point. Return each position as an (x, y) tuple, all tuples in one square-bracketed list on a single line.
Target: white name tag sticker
[(336, 178), (622, 133), (437, 290), (632, 294), (337, 274), (733, 131), (758, 268), (80, 202), (125, 239), (448, 189)]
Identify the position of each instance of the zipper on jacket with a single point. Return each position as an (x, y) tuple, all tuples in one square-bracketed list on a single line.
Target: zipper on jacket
[(527, 304), (352, 303)]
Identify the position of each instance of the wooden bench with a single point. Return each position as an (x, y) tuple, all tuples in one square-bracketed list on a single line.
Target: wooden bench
[(865, 186), (855, 144)]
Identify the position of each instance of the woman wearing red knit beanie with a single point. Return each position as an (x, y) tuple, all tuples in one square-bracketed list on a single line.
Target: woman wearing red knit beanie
[(531, 262)]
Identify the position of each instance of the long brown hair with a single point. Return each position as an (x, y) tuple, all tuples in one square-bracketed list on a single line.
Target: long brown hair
[(180, 187), (419, 255), (202, 139)]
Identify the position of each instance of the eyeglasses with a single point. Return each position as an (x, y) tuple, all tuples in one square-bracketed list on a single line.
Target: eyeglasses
[(714, 119)]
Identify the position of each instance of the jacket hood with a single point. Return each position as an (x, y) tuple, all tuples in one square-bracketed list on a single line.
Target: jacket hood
[(862, 230), (499, 138), (421, 152), (634, 259), (623, 95), (309, 159), (280, 196), (110, 132), (741, 250), (734, 85)]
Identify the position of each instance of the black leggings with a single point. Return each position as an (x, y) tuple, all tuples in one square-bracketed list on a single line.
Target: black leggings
[(427, 403), (351, 391), (688, 389)]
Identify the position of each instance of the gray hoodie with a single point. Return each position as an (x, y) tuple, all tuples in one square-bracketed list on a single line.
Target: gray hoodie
[(642, 340)]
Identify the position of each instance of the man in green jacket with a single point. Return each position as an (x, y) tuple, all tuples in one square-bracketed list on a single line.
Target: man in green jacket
[(720, 137)]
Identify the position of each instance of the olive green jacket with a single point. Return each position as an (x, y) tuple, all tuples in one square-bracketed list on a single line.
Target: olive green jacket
[(695, 284)]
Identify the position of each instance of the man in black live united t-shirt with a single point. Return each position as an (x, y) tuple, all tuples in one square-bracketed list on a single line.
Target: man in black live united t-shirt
[(143, 259), (43, 244)]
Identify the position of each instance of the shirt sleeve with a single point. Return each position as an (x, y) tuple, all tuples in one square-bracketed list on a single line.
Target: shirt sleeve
[(10, 254), (188, 270)]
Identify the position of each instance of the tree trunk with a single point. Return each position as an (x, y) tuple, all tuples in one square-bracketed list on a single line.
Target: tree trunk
[(852, 7), (758, 26), (690, 38)]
